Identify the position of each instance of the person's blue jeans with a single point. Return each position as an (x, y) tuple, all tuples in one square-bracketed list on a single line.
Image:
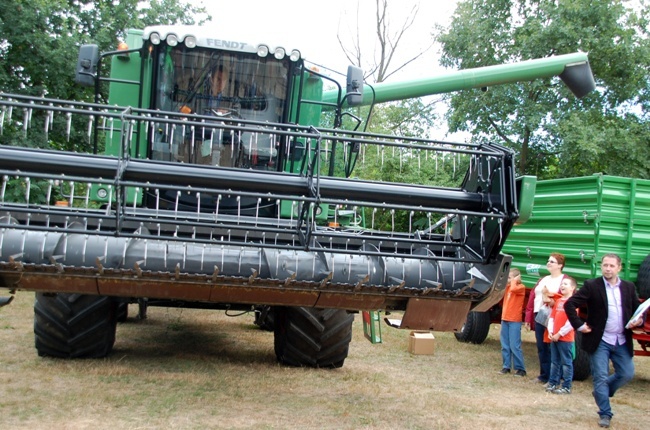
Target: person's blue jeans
[(561, 364), (543, 353), (605, 385), (511, 345)]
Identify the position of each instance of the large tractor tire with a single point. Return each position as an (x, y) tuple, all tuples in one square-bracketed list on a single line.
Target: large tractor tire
[(122, 311), (643, 279), (74, 325), (581, 362), (310, 337), (476, 328)]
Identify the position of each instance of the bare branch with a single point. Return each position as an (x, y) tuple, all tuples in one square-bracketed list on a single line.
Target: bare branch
[(499, 132), (353, 55), (387, 45)]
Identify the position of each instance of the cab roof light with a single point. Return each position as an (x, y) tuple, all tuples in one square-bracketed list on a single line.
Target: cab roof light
[(172, 40), (154, 38), (190, 42), (295, 55), (262, 51), (279, 53)]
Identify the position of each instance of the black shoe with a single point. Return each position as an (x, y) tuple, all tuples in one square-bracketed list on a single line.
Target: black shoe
[(604, 421), (504, 371), (520, 373)]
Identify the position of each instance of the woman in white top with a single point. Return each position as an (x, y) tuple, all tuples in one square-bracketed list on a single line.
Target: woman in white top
[(547, 286)]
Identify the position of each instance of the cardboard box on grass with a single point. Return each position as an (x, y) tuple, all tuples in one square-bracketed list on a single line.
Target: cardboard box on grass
[(421, 342)]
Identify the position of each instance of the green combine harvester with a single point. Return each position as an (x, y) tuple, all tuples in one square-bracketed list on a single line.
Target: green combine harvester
[(219, 175)]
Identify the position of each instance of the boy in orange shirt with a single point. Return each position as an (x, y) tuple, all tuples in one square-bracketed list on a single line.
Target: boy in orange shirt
[(562, 336), (511, 321)]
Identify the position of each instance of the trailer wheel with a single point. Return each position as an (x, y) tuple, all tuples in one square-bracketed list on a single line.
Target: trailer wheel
[(475, 329), (643, 279), (74, 325), (312, 337), (581, 363)]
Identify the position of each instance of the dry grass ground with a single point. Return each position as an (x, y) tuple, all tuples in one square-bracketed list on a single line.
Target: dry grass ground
[(191, 369)]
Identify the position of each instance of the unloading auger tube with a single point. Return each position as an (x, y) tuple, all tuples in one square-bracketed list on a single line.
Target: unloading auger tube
[(236, 256)]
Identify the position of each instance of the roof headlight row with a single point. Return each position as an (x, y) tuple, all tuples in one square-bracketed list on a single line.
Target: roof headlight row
[(172, 40), (279, 53), (190, 41)]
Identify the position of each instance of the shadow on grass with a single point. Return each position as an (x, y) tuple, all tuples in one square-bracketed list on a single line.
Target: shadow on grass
[(167, 336)]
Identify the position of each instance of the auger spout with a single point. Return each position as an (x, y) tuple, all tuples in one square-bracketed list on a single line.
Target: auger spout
[(480, 77)]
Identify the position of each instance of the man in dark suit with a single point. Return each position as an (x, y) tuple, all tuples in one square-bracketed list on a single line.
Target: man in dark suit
[(609, 303)]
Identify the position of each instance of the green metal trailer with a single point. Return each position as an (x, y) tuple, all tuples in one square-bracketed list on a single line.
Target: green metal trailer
[(582, 218)]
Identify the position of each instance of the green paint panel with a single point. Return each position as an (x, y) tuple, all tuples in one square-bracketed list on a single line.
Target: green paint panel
[(126, 94), (526, 194), (312, 89), (584, 218)]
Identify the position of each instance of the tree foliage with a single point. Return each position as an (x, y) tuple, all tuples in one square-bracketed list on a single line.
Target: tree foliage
[(554, 133), (409, 118), (39, 43), (39, 39)]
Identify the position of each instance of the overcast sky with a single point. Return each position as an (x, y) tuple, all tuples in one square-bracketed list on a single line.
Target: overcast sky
[(312, 27)]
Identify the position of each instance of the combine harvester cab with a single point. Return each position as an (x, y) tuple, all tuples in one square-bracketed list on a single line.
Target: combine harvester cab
[(217, 176)]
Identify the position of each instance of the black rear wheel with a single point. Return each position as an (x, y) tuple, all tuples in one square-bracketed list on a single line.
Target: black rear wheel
[(74, 325), (475, 329), (312, 337), (581, 363), (122, 311), (643, 279)]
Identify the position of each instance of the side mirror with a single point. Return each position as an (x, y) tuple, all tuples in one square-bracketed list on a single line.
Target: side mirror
[(354, 86), (86, 71)]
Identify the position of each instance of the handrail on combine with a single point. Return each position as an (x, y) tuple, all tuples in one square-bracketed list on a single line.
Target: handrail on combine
[(119, 218), (111, 242)]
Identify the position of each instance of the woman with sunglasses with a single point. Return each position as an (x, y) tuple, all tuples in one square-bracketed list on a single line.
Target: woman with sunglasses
[(541, 296)]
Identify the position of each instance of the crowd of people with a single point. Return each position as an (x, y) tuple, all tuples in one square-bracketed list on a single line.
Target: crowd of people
[(554, 311)]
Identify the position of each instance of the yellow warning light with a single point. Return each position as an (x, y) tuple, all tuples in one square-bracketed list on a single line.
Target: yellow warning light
[(313, 72), (122, 46)]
